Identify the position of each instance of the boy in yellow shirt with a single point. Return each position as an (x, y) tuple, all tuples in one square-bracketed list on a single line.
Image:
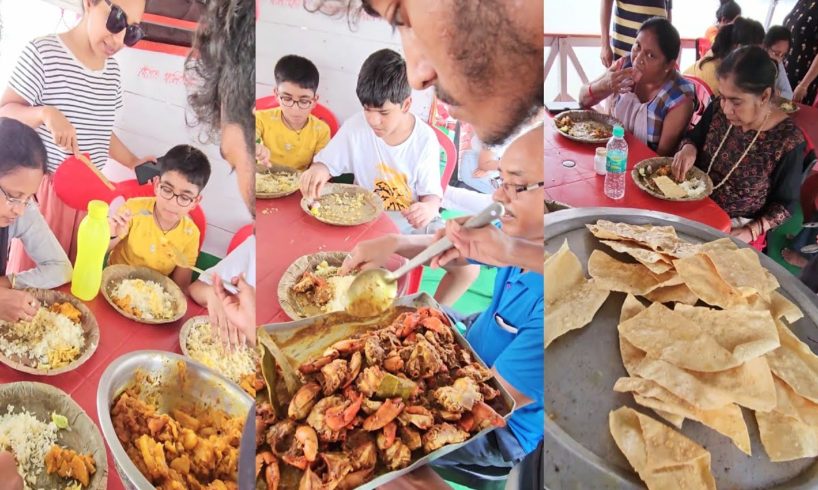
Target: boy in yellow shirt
[(289, 134), (150, 231)]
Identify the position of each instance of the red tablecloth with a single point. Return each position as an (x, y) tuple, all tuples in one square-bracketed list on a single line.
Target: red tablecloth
[(118, 335), (580, 186), (284, 233)]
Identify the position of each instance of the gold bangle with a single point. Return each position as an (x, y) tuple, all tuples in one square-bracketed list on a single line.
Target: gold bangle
[(12, 278)]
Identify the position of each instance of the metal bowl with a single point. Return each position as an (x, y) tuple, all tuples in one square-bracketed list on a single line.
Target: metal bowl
[(203, 386)]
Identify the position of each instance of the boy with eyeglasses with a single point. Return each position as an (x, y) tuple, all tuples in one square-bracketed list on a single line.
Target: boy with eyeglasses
[(289, 135), (157, 232)]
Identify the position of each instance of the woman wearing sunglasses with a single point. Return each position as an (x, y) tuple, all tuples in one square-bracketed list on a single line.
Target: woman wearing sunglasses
[(68, 88)]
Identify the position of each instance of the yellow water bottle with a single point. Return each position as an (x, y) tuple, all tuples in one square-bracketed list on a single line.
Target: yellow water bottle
[(93, 238)]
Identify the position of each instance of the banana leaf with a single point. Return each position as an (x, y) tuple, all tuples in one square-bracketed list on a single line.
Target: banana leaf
[(392, 386)]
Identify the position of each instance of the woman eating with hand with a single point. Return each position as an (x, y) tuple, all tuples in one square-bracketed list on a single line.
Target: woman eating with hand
[(645, 91), (751, 150), (22, 167)]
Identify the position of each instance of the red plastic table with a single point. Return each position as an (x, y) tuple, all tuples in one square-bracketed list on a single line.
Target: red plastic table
[(284, 232), (580, 186), (117, 336)]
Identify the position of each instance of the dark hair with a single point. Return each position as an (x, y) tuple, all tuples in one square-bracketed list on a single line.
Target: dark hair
[(752, 69), (20, 146), (747, 32), (337, 8), (728, 11), (743, 32), (223, 65), (776, 34), (383, 79), (297, 70), (188, 161), (666, 35)]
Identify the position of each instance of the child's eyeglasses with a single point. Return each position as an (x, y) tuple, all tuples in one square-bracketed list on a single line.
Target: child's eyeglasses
[(289, 102), (118, 20), (14, 202), (167, 193), (512, 190)]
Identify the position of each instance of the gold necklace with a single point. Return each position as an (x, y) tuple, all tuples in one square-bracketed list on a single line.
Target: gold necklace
[(746, 151)]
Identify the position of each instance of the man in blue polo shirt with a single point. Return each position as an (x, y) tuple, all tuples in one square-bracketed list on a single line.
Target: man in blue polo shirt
[(508, 335)]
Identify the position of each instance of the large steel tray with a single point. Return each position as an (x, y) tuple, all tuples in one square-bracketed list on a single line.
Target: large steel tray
[(301, 340), (582, 366)]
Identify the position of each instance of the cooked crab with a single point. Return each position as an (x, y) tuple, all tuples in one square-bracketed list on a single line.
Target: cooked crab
[(334, 375), (459, 397), (317, 418), (441, 435), (418, 416)]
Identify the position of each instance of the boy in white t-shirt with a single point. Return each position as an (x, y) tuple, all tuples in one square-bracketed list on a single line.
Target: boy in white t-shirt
[(390, 150), (395, 154)]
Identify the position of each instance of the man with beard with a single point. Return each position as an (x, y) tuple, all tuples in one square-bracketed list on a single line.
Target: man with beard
[(222, 65), (484, 60)]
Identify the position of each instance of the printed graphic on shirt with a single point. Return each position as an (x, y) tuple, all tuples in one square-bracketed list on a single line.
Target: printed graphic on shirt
[(393, 189)]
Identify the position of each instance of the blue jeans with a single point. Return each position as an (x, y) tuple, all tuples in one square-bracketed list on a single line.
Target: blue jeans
[(499, 448), (465, 171)]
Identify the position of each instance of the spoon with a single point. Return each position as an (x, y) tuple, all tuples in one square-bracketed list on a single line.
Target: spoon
[(180, 260), (373, 291)]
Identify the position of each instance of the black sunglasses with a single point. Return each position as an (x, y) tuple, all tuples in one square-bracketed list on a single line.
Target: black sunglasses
[(118, 20)]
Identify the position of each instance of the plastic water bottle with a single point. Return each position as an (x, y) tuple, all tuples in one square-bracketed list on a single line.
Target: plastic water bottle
[(93, 238), (616, 163)]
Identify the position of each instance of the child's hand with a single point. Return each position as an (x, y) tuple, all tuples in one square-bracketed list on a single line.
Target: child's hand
[(313, 180), (119, 223), (63, 132), (420, 214), (262, 154)]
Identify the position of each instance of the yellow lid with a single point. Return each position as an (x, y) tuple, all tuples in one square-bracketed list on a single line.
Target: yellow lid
[(98, 209)]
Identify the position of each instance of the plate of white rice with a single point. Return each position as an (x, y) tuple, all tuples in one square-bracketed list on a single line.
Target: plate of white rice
[(143, 295), (61, 336), (28, 431), (199, 342)]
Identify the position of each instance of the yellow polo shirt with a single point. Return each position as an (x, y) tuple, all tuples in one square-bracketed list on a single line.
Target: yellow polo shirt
[(294, 149), (146, 245)]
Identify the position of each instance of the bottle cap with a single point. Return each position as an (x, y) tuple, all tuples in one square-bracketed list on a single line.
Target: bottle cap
[(618, 131), (98, 209)]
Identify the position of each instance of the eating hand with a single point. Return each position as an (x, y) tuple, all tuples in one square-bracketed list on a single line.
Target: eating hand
[(120, 223), (8, 472), (262, 154), (235, 315), (17, 305), (420, 214), (683, 161), (313, 180), (621, 81), (62, 131), (370, 254)]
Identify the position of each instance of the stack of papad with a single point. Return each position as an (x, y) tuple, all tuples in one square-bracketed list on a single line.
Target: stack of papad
[(709, 336)]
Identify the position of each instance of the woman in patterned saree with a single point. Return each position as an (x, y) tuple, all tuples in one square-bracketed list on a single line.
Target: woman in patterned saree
[(752, 151)]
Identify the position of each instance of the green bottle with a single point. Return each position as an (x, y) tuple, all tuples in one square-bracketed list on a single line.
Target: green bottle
[(93, 238)]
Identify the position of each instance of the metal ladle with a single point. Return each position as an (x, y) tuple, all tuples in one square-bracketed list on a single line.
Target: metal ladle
[(373, 291)]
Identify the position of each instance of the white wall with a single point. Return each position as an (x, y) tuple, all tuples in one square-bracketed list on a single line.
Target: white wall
[(153, 119), (690, 17), (285, 27)]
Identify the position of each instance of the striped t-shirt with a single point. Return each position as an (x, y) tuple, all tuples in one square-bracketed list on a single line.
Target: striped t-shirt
[(628, 17), (48, 74)]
